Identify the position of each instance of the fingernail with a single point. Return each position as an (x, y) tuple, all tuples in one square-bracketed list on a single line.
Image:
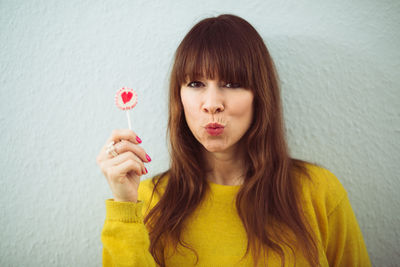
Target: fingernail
[(146, 170), (138, 139), (148, 158)]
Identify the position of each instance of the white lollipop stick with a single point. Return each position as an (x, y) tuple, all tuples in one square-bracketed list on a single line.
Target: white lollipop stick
[(129, 119)]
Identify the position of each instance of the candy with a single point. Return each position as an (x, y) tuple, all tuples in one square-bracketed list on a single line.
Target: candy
[(126, 99)]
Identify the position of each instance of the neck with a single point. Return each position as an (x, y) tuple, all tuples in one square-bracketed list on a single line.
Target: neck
[(226, 168)]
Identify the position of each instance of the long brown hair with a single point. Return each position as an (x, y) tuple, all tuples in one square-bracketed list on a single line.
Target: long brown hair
[(228, 48)]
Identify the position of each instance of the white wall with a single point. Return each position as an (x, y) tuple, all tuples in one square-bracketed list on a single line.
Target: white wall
[(61, 63)]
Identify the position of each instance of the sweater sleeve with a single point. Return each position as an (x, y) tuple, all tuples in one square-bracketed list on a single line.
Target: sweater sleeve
[(345, 246), (124, 236)]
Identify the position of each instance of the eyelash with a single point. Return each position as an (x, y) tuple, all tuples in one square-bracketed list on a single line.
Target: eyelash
[(191, 84), (234, 85)]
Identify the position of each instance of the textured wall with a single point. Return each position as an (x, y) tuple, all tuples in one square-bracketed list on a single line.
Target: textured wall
[(62, 61)]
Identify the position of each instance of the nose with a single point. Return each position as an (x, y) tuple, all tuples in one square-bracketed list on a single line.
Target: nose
[(213, 100)]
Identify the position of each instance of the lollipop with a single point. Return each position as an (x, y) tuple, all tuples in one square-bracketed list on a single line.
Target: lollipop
[(126, 99)]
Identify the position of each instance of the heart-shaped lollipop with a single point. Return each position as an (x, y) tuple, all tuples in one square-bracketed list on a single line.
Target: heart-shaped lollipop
[(126, 96), (126, 99)]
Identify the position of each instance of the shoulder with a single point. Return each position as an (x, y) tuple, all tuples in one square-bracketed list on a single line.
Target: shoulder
[(322, 189)]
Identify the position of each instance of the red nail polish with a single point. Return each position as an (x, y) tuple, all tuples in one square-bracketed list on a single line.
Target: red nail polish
[(138, 139), (146, 170), (148, 158)]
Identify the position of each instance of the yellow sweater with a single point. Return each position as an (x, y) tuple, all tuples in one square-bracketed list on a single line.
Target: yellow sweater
[(217, 234)]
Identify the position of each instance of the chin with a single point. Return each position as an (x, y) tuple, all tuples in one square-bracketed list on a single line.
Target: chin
[(214, 147), (214, 150)]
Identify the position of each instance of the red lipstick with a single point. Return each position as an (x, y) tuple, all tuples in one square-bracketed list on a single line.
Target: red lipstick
[(214, 129)]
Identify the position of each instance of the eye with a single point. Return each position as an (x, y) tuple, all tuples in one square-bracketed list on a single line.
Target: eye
[(233, 85), (195, 84)]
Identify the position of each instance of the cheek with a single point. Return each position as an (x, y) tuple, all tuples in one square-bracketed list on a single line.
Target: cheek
[(243, 107), (189, 108)]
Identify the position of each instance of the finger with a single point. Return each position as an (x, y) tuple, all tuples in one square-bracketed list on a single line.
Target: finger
[(124, 134), (105, 153), (121, 170), (117, 136), (125, 146), (122, 158)]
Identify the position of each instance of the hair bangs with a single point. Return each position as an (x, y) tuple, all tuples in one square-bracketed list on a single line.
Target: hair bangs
[(214, 52)]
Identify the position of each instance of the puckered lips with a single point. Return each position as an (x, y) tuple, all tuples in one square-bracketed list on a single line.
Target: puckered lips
[(214, 129)]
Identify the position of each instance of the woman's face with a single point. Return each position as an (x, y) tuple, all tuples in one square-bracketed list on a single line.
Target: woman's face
[(218, 113)]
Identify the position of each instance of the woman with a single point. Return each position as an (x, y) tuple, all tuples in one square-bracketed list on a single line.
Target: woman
[(233, 196)]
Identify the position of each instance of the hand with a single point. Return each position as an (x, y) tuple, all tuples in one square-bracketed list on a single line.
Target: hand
[(123, 171)]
